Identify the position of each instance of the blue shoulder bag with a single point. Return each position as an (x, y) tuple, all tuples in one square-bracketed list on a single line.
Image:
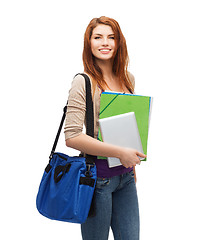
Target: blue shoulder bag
[(67, 186)]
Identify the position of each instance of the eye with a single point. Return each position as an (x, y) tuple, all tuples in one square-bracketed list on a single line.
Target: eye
[(111, 37), (96, 37)]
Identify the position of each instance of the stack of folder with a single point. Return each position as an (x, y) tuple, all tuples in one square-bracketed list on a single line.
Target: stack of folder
[(112, 104)]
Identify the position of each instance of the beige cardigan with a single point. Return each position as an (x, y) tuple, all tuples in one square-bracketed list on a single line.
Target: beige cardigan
[(75, 115)]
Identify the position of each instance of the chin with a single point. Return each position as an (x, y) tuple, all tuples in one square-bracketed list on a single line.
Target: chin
[(105, 58)]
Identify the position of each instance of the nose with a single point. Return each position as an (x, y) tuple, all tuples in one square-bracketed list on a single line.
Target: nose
[(105, 41)]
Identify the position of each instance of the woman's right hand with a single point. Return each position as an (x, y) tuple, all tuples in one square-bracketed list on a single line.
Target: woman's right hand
[(130, 157)]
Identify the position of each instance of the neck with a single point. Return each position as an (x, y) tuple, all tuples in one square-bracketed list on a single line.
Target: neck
[(106, 68)]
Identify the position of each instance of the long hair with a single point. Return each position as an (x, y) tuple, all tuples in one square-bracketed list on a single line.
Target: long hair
[(120, 61)]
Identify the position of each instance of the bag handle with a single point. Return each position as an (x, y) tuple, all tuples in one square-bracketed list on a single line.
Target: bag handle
[(90, 160)]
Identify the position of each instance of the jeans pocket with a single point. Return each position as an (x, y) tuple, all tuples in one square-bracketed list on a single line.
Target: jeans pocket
[(102, 182)]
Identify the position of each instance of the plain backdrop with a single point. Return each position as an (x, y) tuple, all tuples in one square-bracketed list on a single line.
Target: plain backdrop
[(41, 46)]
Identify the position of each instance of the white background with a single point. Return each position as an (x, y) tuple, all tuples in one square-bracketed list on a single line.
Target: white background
[(41, 50)]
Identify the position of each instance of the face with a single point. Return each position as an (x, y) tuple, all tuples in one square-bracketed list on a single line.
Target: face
[(102, 42)]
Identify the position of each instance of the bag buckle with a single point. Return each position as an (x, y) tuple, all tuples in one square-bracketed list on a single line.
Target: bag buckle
[(51, 155), (88, 173)]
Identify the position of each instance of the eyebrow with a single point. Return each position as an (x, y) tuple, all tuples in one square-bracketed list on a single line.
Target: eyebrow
[(102, 35)]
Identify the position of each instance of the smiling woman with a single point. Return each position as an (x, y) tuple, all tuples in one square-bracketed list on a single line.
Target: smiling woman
[(105, 60)]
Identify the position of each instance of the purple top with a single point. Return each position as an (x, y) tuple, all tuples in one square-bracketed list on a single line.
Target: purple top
[(103, 170)]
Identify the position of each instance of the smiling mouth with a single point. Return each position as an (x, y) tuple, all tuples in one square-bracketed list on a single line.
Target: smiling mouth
[(105, 50)]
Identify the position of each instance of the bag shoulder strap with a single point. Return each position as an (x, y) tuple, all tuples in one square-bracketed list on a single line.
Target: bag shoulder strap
[(89, 119)]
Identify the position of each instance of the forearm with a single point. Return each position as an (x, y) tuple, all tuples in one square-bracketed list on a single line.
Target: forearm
[(92, 146)]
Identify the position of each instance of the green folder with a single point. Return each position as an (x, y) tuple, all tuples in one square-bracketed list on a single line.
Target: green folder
[(112, 104)]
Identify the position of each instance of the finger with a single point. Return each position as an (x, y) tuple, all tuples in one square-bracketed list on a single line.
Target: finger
[(141, 155), (139, 162), (134, 164), (126, 165)]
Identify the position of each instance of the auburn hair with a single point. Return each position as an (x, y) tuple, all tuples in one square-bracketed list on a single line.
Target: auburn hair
[(120, 61)]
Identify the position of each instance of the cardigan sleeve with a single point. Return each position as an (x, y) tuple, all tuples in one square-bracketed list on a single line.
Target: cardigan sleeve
[(76, 108)]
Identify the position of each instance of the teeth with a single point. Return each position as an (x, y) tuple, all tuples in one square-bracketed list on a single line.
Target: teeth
[(104, 50)]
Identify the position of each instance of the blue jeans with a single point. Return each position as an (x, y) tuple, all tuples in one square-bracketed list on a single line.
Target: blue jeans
[(116, 206)]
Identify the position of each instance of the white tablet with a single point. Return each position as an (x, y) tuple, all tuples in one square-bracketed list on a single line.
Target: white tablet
[(121, 130)]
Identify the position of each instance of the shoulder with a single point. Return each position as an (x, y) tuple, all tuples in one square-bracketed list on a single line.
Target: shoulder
[(131, 78), (77, 89), (78, 81), (78, 85)]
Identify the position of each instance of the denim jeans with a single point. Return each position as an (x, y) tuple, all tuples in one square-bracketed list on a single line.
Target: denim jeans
[(116, 206)]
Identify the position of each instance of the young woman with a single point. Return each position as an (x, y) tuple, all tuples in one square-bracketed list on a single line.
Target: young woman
[(105, 61)]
